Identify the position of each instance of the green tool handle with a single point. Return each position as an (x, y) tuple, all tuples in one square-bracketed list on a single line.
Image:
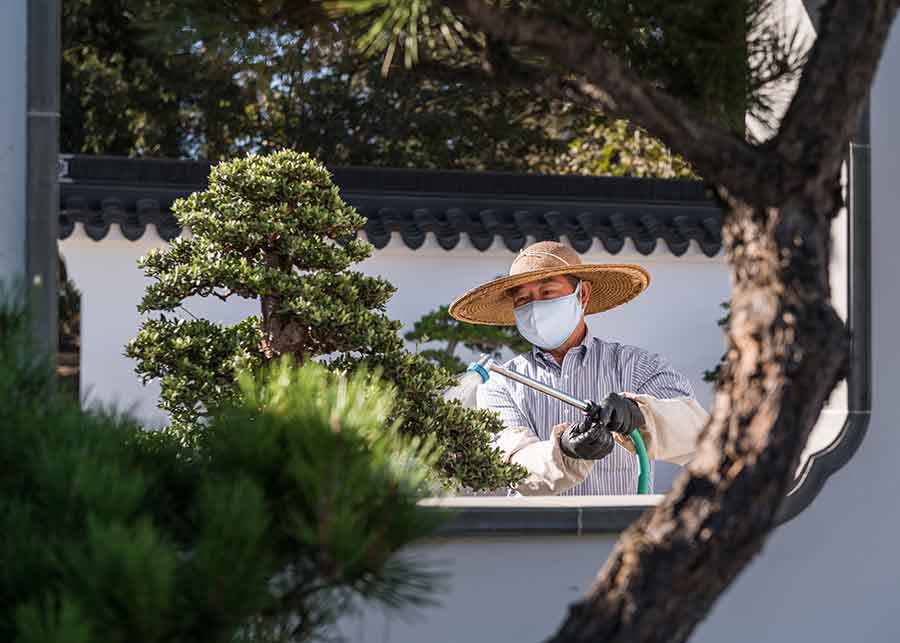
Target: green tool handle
[(643, 462)]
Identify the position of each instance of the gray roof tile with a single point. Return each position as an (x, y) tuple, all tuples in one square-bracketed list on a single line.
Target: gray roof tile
[(485, 207)]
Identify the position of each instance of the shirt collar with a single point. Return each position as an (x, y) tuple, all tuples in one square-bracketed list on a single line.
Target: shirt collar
[(580, 349)]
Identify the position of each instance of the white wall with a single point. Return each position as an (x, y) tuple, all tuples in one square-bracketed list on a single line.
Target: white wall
[(13, 41), (500, 590)]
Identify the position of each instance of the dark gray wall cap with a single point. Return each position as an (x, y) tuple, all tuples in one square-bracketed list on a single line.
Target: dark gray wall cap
[(486, 207), (569, 515)]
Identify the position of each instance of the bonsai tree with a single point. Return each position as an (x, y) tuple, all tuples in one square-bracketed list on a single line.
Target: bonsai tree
[(439, 326), (295, 508), (274, 228), (714, 375)]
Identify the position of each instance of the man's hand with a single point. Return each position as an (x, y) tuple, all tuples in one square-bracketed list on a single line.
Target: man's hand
[(586, 440), (591, 438), (618, 414)]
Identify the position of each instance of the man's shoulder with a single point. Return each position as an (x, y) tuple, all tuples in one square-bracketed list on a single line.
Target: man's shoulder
[(615, 351), (497, 385), (520, 362), (523, 363), (623, 352)]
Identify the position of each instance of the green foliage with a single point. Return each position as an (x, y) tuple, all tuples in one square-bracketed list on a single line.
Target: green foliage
[(69, 310), (719, 56), (439, 326), (274, 228), (122, 95), (618, 148), (714, 374), (195, 360), (206, 79), (291, 510)]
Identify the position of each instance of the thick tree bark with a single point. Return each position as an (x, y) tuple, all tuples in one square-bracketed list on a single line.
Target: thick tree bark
[(787, 346), (787, 349)]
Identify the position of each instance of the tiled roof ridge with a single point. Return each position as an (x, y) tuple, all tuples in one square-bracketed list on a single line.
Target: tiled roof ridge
[(99, 192)]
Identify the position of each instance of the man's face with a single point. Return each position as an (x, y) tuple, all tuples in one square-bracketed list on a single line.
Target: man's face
[(547, 288)]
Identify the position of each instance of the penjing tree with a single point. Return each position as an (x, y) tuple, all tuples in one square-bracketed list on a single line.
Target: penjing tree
[(275, 229), (438, 326)]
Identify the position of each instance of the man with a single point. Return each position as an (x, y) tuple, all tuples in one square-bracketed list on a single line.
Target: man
[(546, 296)]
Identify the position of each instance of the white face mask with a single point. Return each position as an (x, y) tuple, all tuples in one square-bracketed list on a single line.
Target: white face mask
[(548, 323)]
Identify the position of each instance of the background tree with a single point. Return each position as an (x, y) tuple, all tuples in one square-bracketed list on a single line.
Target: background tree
[(122, 95), (199, 79), (294, 508), (713, 374), (274, 228), (439, 326), (671, 68)]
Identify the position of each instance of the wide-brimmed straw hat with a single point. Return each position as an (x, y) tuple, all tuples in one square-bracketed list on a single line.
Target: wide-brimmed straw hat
[(612, 284)]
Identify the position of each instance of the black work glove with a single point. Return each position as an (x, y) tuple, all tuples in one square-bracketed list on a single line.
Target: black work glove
[(618, 414), (586, 440)]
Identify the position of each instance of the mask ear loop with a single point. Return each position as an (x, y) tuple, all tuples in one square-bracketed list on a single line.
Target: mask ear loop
[(578, 291)]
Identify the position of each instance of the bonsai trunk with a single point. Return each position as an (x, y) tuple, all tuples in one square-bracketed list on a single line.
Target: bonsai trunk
[(787, 350), (280, 334)]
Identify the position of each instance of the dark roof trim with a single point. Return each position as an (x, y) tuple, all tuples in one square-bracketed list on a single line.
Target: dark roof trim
[(99, 192)]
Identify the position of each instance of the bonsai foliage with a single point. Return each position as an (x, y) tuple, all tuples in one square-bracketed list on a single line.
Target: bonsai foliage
[(274, 228), (290, 509), (439, 326), (715, 374)]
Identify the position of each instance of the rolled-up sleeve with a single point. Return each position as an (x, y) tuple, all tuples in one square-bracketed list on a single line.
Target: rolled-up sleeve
[(673, 418)]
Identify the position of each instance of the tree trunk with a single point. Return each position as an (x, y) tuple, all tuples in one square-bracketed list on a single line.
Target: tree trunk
[(279, 336), (787, 346), (787, 350)]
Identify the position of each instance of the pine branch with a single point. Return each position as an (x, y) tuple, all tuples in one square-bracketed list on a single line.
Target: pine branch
[(717, 154), (834, 86)]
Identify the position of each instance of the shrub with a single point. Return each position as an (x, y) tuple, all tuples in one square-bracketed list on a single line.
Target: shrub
[(292, 507), (274, 228)]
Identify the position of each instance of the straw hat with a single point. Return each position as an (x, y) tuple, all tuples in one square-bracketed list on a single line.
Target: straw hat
[(612, 284)]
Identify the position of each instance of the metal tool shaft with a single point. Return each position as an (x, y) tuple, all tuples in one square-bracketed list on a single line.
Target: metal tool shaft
[(538, 386)]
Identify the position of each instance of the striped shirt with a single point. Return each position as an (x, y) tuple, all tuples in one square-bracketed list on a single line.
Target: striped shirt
[(589, 371)]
